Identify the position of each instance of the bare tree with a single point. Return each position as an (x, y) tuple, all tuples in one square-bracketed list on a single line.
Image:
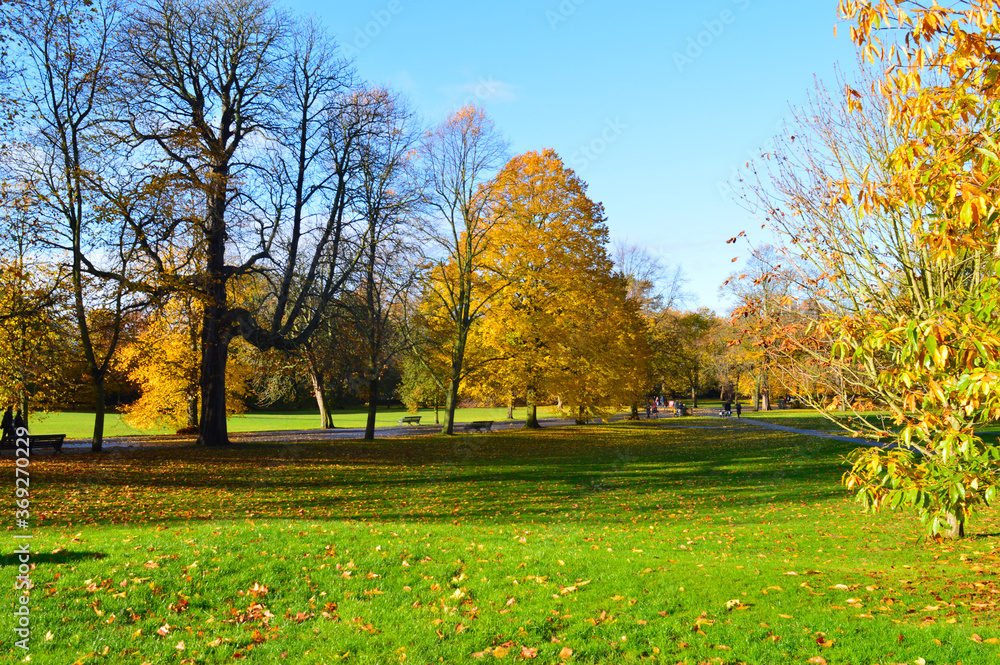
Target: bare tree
[(460, 156), (68, 84), (656, 286), (385, 200), (254, 114)]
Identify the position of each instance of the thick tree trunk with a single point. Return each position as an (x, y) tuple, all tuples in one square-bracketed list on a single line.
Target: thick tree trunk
[(694, 398), (581, 418), (214, 355), (510, 407), (372, 406), (756, 394), (634, 414), (531, 418)]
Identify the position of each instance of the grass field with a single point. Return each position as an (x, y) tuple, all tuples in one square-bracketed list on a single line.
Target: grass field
[(81, 425), (623, 543)]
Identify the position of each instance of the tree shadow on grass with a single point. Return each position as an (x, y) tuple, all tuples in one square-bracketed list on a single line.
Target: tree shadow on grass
[(485, 477), (14, 560)]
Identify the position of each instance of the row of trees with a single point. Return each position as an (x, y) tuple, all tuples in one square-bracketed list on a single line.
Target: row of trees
[(203, 196)]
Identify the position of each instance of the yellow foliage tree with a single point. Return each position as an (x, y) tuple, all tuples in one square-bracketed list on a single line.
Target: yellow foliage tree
[(164, 360), (561, 321)]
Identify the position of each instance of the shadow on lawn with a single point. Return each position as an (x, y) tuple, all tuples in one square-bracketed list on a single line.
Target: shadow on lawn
[(637, 466), (14, 560)]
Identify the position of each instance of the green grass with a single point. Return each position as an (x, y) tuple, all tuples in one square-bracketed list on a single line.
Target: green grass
[(81, 425), (619, 543)]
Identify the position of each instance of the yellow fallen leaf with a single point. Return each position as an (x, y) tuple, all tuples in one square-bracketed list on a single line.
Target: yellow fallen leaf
[(566, 653)]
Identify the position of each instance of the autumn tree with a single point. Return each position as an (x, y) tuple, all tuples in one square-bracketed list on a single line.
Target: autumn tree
[(257, 116), (69, 87), (603, 357), (901, 227), (33, 316), (459, 157), (163, 361), (683, 351), (547, 251)]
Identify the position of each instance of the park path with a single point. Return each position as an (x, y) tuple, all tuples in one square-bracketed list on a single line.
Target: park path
[(348, 433), (792, 430), (812, 432), (297, 436)]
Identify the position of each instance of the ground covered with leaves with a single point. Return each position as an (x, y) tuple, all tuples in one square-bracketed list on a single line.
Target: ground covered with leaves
[(675, 541)]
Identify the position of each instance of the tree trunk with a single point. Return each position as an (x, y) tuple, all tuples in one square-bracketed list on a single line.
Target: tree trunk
[(531, 417), (510, 407), (192, 411), (581, 418), (450, 403), (22, 404), (756, 394), (451, 399), (437, 409), (372, 406), (559, 402), (634, 415), (214, 355), (694, 398), (97, 443), (956, 525), (319, 392)]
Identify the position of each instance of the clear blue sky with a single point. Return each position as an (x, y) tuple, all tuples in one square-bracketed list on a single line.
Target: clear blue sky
[(655, 104)]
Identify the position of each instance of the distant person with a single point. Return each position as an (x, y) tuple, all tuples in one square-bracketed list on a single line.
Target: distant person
[(728, 408), (8, 425), (739, 409), (19, 421), (648, 411)]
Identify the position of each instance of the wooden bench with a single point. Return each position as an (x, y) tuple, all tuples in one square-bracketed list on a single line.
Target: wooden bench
[(40, 441), (479, 426), (410, 420)]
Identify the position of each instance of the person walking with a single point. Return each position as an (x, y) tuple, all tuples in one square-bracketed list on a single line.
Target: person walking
[(739, 409)]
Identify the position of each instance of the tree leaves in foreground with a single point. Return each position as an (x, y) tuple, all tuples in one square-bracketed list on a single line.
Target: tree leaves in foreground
[(938, 355)]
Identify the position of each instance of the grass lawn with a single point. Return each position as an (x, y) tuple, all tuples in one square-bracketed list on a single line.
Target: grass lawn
[(623, 543), (81, 425)]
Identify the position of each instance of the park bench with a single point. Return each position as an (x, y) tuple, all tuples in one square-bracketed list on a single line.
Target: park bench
[(479, 426), (39, 441), (410, 420)]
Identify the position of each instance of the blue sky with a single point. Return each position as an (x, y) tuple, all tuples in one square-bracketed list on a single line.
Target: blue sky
[(655, 104)]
